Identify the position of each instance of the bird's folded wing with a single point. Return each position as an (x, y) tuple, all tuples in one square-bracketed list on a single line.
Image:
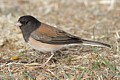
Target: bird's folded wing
[(54, 36)]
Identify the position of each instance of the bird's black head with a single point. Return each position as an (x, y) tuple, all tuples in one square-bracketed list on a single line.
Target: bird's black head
[(27, 20), (27, 24)]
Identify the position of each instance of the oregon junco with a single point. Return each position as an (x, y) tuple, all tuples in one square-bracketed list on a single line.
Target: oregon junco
[(44, 37)]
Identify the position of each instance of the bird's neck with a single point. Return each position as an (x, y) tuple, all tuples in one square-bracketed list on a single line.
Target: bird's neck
[(28, 29)]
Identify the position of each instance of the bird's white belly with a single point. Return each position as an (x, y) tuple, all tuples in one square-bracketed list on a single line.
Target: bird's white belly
[(43, 46)]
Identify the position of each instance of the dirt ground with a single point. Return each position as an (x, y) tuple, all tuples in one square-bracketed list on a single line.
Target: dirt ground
[(89, 19)]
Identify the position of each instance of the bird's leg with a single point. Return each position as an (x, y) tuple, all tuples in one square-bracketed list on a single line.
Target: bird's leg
[(42, 66), (52, 54)]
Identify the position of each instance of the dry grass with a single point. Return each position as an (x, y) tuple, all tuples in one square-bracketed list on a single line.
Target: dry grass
[(89, 19)]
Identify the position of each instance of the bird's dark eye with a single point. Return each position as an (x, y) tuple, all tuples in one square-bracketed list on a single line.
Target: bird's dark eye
[(24, 22)]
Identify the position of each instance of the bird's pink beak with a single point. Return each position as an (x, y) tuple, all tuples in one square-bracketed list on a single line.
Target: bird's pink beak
[(18, 23)]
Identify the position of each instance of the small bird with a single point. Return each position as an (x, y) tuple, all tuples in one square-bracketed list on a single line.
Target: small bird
[(46, 38)]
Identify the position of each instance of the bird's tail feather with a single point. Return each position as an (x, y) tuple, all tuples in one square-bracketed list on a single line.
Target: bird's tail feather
[(95, 43)]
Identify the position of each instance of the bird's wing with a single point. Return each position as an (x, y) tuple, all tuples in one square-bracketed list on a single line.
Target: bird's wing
[(52, 35)]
